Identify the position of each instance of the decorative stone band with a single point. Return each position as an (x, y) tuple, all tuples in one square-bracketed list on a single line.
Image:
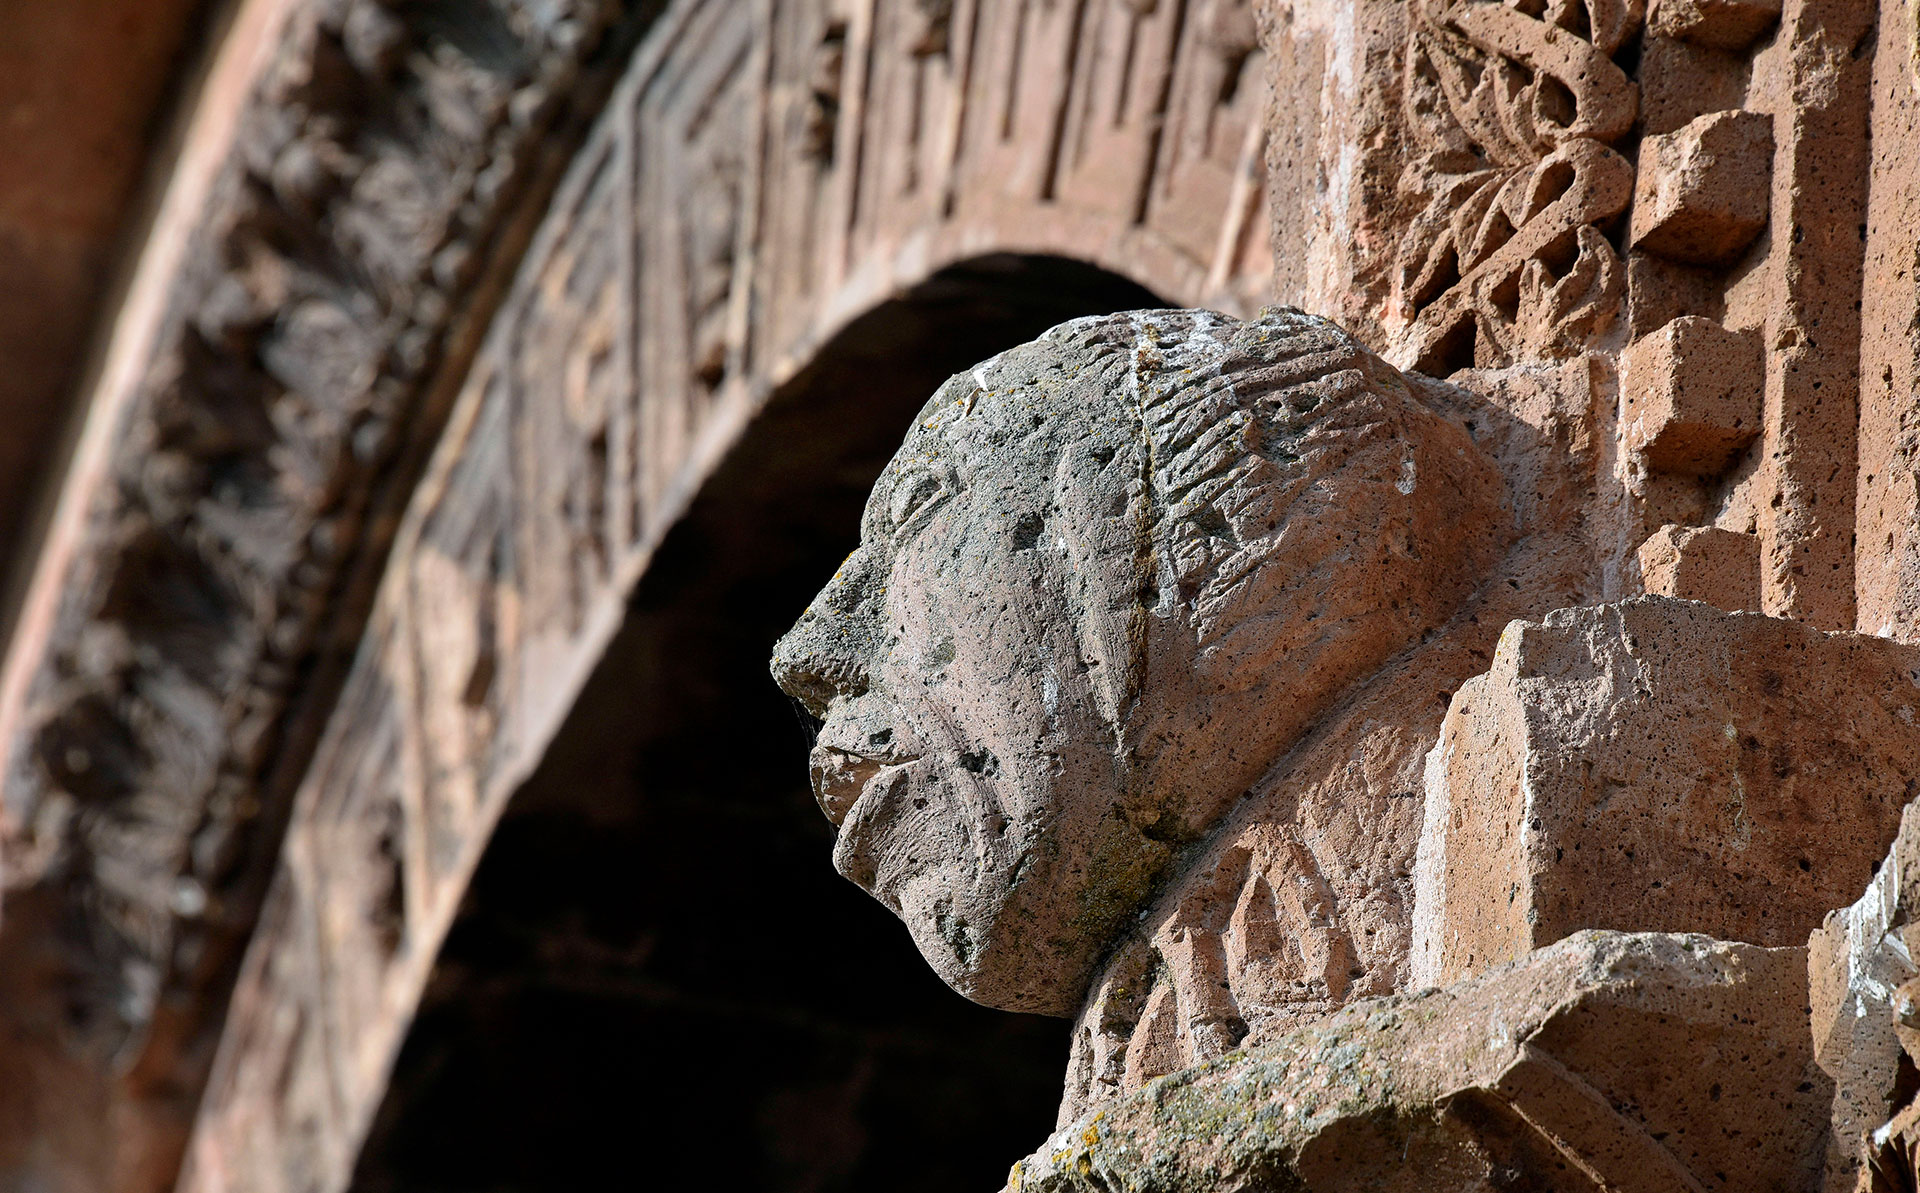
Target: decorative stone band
[(1601, 97), (368, 170), (1513, 111)]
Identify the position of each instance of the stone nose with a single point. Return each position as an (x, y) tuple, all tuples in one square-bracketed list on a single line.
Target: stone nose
[(827, 652)]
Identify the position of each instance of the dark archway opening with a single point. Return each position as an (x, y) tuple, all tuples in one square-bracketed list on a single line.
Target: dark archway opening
[(657, 981)]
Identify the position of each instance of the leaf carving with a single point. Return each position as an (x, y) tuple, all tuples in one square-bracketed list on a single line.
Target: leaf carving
[(1512, 104)]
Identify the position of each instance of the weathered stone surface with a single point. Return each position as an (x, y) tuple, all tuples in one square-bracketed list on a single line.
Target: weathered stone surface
[(802, 164), (1505, 261), (1452, 179), (1303, 899), (85, 111), (290, 371), (1720, 24), (1812, 80), (1703, 563), (1693, 392), (1099, 559), (1607, 1061), (1860, 963), (1886, 497), (1702, 196), (1659, 765), (357, 182)]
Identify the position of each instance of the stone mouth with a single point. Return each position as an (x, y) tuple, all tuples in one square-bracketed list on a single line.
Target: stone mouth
[(842, 777), (860, 851)]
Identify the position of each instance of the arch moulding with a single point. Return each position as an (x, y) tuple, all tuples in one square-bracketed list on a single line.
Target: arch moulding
[(746, 189)]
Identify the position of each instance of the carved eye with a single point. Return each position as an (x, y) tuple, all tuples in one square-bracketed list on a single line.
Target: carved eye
[(913, 496)]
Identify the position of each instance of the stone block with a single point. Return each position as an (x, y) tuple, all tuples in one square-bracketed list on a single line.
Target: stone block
[(1703, 563), (1643, 1063), (1693, 392), (1718, 24), (1660, 765), (1681, 79), (1704, 188)]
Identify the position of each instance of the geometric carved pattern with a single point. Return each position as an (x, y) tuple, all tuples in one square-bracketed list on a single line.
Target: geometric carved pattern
[(232, 500)]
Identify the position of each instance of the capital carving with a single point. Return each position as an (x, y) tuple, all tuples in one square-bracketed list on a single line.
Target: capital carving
[(1168, 690)]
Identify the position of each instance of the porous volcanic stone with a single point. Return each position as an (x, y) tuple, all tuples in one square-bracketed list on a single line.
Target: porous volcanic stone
[(1651, 1062), (1110, 578), (1661, 765), (1703, 188), (1864, 990), (1692, 391), (1702, 563)]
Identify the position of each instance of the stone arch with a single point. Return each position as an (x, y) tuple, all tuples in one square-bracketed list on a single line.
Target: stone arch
[(655, 902), (375, 617)]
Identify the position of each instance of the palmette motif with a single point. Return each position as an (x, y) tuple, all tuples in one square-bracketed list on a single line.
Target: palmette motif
[(1513, 112)]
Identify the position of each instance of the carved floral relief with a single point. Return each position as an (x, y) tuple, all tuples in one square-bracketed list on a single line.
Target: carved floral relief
[(1514, 109)]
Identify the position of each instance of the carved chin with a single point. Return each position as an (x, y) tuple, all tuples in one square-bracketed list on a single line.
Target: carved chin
[(971, 937), (890, 849), (981, 937), (910, 844), (935, 862), (885, 832)]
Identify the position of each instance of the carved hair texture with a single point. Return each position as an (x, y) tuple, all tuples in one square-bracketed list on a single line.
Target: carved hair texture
[(1261, 515), (1112, 576)]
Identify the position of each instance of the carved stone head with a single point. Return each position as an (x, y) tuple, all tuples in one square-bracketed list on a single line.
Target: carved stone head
[(1109, 579)]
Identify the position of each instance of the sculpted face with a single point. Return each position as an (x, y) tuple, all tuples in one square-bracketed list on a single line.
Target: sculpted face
[(1109, 578), (963, 757)]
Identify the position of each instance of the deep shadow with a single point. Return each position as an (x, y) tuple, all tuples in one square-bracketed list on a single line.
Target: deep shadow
[(657, 981)]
